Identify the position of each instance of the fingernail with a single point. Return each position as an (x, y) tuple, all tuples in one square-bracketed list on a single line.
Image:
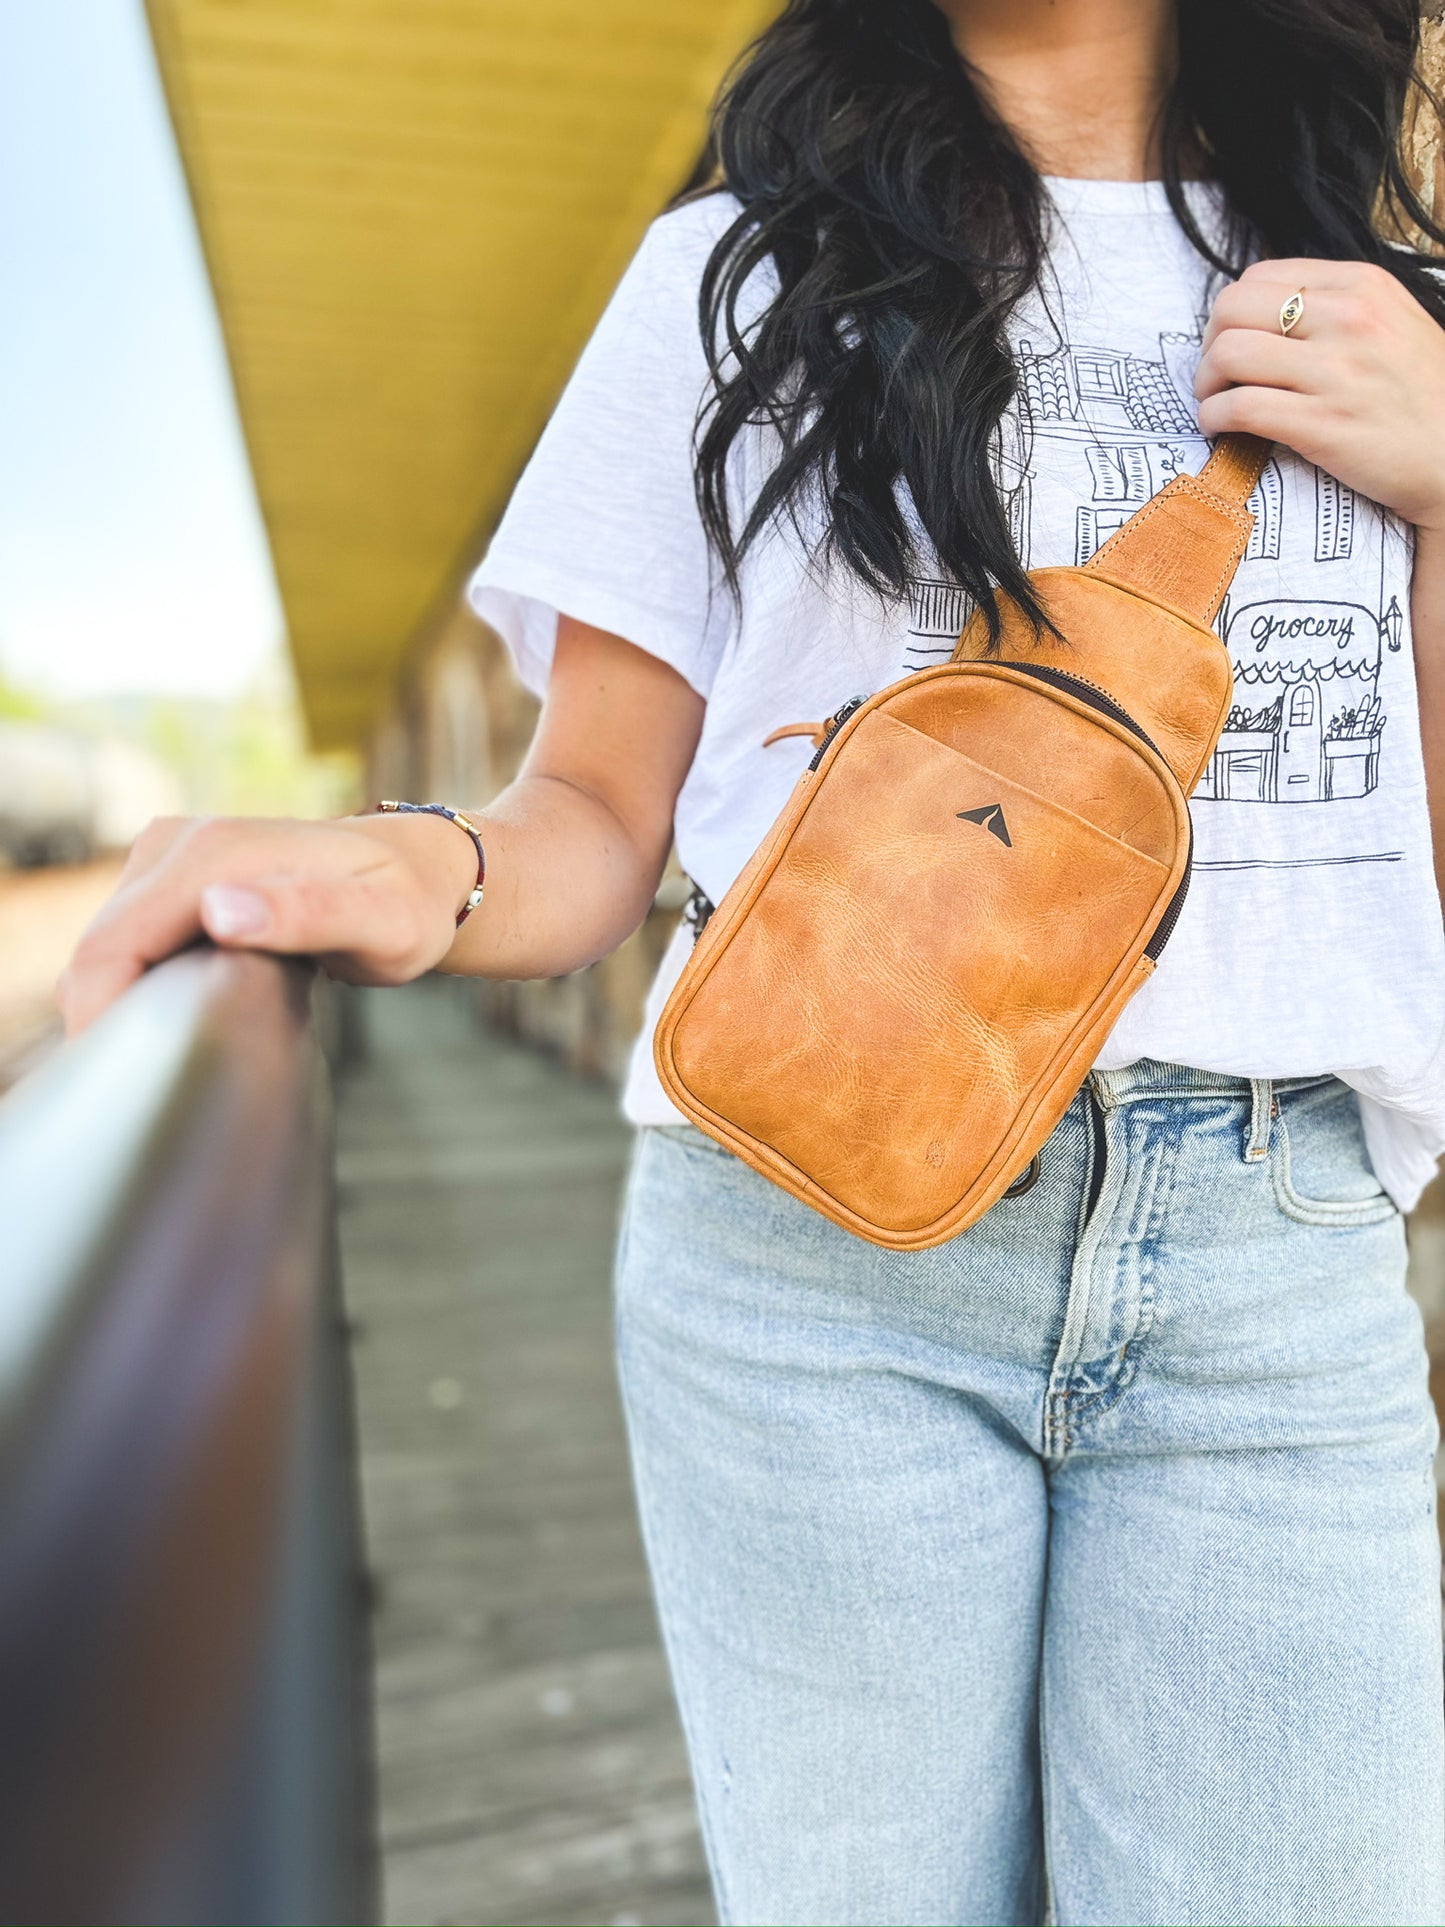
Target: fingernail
[(234, 913)]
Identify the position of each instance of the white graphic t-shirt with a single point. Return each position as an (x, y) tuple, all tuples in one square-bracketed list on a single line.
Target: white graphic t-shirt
[(1311, 938)]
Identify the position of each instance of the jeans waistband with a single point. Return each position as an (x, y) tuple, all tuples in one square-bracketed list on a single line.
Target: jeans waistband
[(1148, 1077)]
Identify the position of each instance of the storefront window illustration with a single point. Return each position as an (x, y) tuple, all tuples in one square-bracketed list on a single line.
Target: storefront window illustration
[(1307, 721), (1267, 507), (1334, 519), (1120, 472)]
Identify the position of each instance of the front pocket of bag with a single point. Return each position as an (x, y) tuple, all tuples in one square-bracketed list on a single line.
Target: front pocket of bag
[(1325, 1154), (921, 953)]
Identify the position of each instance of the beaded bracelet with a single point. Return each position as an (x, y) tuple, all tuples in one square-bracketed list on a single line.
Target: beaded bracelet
[(462, 823)]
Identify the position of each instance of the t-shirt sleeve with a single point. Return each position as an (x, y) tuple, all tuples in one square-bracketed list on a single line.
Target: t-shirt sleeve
[(603, 525)]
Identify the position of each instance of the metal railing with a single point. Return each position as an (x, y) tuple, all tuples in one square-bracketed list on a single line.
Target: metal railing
[(184, 1722)]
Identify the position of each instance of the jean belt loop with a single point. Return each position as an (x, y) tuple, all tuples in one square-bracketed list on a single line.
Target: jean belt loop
[(1106, 1088), (1261, 1112)]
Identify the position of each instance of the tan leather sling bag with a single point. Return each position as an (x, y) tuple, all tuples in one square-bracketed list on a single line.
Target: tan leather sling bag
[(902, 992)]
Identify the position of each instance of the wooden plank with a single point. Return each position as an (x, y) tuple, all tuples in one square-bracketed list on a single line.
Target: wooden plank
[(531, 1767)]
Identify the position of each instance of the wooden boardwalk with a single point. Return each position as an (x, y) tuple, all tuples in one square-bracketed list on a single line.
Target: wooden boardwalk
[(531, 1769)]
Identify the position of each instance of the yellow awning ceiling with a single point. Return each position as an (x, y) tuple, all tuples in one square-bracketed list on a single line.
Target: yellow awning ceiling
[(413, 211)]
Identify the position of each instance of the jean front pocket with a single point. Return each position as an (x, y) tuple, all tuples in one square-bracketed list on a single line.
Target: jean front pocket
[(1319, 1161)]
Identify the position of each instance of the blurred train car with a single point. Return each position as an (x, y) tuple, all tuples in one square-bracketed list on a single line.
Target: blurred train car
[(66, 797)]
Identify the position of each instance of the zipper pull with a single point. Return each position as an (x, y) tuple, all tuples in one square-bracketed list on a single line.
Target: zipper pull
[(835, 723)]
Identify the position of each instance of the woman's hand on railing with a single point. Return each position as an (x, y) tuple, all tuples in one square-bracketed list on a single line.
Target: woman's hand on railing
[(374, 898), (575, 848)]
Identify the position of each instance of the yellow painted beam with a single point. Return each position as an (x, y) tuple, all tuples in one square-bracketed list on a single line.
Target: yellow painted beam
[(413, 211)]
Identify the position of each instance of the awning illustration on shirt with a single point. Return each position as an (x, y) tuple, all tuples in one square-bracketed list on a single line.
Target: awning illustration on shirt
[(1307, 719)]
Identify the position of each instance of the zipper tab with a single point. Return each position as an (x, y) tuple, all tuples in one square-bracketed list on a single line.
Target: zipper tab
[(835, 723)]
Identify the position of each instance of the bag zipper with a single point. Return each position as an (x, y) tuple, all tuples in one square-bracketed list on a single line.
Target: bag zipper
[(835, 723), (1164, 929), (1086, 691)]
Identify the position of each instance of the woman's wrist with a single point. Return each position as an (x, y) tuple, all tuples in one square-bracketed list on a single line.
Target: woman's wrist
[(468, 829), (440, 853)]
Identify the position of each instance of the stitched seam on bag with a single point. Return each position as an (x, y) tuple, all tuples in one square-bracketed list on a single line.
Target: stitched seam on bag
[(1183, 485), (1186, 485), (920, 1237), (1137, 592), (912, 1237)]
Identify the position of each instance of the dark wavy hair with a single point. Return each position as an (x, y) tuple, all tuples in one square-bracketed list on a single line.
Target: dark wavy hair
[(903, 222)]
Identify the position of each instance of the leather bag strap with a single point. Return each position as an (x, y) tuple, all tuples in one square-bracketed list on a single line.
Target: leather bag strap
[(1184, 545)]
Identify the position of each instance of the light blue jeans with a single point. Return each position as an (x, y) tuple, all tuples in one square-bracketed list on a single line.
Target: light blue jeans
[(1099, 1539)]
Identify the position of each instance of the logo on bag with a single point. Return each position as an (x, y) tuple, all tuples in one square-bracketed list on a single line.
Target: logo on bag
[(991, 817)]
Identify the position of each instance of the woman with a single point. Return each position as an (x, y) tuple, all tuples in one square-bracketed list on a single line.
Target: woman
[(1100, 1539)]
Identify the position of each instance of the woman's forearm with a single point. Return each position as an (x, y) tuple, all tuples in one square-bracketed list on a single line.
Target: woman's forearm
[(574, 851), (567, 881), (577, 845)]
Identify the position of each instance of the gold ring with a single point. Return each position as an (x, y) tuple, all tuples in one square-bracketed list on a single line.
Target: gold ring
[(1291, 310)]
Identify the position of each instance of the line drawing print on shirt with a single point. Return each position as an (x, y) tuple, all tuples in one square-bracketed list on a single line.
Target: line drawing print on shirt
[(1127, 420), (1307, 720), (1301, 862), (1131, 416), (939, 611)]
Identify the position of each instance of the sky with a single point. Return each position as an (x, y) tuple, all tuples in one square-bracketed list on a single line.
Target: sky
[(132, 557)]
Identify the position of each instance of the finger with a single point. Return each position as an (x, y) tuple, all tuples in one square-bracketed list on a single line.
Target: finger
[(1256, 305), (155, 842), (152, 913), (138, 926), (1250, 358), (84, 993), (1296, 271), (1274, 414), (369, 915)]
